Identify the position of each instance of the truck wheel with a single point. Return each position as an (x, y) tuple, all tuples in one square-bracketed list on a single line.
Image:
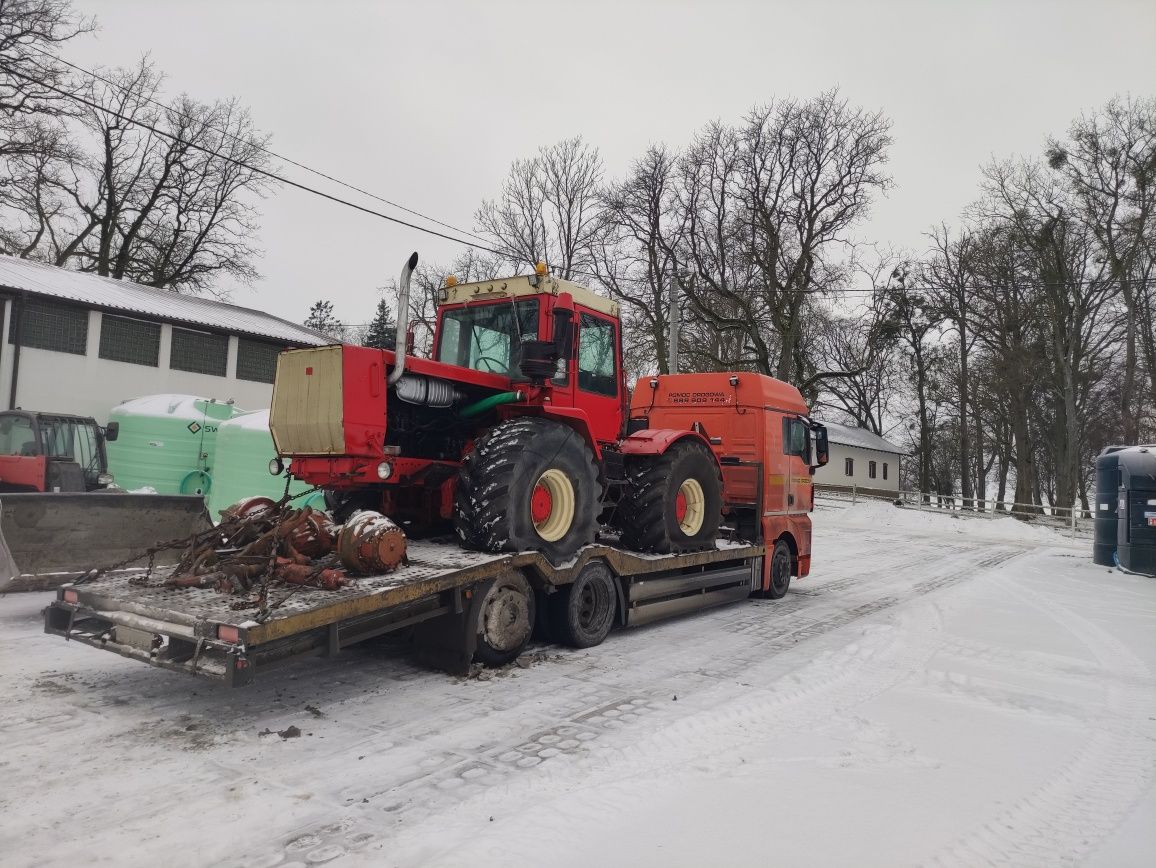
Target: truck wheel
[(780, 571), (672, 502), (528, 484), (582, 614), (505, 619)]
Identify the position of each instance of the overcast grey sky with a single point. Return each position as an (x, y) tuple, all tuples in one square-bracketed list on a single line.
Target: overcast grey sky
[(427, 103)]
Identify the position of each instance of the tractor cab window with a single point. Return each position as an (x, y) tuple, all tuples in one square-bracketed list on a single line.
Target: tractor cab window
[(72, 440), (596, 368), (795, 439), (487, 337), (17, 436)]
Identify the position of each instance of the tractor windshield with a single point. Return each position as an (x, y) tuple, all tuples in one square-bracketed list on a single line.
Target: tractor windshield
[(487, 337)]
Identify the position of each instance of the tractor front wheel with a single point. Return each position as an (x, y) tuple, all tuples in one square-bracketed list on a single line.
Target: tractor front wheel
[(672, 502), (528, 484)]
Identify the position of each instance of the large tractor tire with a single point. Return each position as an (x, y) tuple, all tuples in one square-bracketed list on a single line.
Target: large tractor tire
[(672, 502), (528, 484)]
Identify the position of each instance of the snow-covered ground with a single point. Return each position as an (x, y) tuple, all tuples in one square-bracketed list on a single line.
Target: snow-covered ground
[(939, 691)]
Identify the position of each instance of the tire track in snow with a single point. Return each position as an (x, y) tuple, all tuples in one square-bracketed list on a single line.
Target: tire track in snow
[(1064, 820)]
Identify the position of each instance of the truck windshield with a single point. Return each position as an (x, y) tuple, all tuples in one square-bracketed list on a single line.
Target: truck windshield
[(72, 440), (487, 337)]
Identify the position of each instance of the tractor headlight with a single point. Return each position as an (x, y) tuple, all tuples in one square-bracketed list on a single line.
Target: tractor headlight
[(105, 479), (276, 466), (384, 470)]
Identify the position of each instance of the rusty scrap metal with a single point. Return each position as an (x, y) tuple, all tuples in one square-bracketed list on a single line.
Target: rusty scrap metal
[(371, 543)]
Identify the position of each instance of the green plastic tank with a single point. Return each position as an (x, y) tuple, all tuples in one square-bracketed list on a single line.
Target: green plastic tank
[(167, 442), (244, 450)]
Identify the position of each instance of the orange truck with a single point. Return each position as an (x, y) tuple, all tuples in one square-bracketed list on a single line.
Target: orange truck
[(536, 491)]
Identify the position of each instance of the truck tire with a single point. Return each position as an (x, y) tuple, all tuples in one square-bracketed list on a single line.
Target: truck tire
[(672, 502), (528, 484), (582, 614), (780, 571), (505, 619)]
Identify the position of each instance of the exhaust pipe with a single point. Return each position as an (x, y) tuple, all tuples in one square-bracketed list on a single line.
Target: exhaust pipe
[(402, 319)]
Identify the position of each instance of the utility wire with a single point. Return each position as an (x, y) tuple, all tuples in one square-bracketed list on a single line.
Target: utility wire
[(485, 246), (98, 77)]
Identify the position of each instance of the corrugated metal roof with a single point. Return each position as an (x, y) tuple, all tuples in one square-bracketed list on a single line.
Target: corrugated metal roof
[(860, 437), (50, 280)]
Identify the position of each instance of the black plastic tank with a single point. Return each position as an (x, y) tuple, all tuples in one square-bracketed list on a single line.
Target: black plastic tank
[(1107, 494), (1136, 527)]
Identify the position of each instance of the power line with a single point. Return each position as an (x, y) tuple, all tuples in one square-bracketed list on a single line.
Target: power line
[(506, 254), (98, 77)]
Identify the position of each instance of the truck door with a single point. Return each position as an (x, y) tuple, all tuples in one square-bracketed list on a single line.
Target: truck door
[(797, 453), (22, 462)]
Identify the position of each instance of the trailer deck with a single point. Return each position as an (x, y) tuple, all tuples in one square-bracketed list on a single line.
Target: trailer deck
[(201, 632)]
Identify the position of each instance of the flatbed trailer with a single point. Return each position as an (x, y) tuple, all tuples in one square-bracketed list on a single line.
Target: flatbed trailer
[(438, 595)]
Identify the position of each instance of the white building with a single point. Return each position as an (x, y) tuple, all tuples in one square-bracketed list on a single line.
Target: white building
[(77, 343), (860, 458)]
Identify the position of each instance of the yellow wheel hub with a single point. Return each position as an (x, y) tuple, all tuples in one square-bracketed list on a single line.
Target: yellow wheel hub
[(552, 505), (690, 507)]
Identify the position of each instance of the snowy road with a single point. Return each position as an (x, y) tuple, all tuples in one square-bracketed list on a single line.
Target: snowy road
[(938, 692)]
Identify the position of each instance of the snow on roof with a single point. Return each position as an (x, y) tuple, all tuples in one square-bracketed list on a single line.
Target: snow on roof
[(860, 438), (40, 279)]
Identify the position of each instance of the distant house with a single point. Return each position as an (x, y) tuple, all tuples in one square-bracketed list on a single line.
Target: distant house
[(78, 343), (860, 458)]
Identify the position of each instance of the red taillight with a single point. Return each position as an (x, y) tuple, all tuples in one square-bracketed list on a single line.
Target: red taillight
[(69, 597), (228, 633)]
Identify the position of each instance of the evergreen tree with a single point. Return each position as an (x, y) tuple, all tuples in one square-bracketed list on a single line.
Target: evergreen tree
[(382, 332), (321, 319)]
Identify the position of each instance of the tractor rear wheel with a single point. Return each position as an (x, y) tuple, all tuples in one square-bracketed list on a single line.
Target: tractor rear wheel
[(528, 484), (672, 502)]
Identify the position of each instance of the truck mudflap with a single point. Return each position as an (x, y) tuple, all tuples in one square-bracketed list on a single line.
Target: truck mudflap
[(48, 538)]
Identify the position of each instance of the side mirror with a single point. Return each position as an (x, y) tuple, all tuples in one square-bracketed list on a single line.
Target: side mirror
[(564, 325), (111, 431), (822, 449)]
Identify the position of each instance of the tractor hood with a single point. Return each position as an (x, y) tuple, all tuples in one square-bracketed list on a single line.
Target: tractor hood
[(332, 400)]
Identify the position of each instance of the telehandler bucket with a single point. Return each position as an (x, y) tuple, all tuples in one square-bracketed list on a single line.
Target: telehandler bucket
[(49, 538)]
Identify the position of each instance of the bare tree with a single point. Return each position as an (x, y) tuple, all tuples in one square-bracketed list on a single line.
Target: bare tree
[(1109, 161), (165, 196), (635, 256), (548, 208)]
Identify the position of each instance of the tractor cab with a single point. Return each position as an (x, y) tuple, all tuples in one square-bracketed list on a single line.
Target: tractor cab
[(53, 452), (544, 332)]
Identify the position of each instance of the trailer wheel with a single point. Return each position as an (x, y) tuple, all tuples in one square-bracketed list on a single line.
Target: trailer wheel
[(505, 619), (780, 571), (582, 614), (672, 502), (529, 483)]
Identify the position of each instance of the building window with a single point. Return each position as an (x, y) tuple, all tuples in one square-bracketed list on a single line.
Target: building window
[(884, 469), (199, 352), (130, 340), (871, 469), (848, 466), (256, 361), (49, 326)]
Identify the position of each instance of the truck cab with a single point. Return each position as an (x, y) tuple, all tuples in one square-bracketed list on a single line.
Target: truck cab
[(53, 452)]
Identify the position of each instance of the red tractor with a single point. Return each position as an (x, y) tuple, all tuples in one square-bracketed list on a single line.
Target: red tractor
[(519, 432)]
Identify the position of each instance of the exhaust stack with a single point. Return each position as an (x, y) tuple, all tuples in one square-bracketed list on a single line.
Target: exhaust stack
[(402, 319)]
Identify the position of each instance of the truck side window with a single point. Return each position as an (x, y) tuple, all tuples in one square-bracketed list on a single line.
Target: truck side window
[(596, 363), (795, 440)]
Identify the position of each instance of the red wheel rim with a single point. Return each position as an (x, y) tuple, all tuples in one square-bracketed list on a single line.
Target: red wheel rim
[(679, 507), (541, 504)]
